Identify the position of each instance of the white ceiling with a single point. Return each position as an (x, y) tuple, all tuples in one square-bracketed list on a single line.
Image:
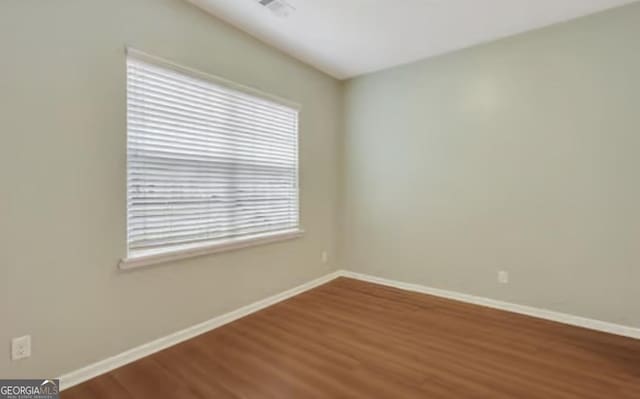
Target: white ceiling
[(346, 38)]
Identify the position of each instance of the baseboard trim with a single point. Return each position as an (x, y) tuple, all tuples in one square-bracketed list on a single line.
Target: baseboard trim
[(592, 324), (93, 370)]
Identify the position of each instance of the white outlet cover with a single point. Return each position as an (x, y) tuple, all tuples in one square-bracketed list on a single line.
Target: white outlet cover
[(21, 347), (503, 277)]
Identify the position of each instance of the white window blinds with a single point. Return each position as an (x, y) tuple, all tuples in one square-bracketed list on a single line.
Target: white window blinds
[(207, 164)]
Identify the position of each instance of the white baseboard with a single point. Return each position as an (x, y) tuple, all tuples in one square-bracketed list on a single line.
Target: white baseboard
[(598, 325), (78, 376), (93, 370)]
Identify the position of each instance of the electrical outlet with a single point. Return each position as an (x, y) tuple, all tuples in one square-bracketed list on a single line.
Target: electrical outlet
[(21, 347), (503, 277), (324, 257)]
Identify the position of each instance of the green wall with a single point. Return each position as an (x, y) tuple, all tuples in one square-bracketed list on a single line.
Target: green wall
[(62, 168), (520, 155)]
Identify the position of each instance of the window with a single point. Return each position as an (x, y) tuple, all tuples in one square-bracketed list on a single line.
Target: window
[(209, 165)]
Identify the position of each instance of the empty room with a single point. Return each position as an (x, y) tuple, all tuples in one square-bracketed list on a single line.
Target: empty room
[(274, 199)]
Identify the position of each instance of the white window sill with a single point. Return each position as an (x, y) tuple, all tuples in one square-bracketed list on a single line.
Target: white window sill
[(153, 257)]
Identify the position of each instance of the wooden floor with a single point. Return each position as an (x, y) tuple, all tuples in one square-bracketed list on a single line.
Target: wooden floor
[(350, 339)]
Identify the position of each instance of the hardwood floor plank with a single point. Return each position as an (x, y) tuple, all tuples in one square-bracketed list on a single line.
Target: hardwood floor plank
[(351, 339)]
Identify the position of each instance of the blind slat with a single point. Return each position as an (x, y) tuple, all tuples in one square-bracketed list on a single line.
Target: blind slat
[(198, 137), (224, 223), (169, 215), (208, 104), (196, 84), (163, 208), (227, 151), (205, 235)]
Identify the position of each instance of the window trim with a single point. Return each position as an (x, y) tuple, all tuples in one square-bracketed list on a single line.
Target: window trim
[(142, 258), (153, 257)]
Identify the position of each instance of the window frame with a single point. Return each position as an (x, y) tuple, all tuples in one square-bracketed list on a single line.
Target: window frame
[(140, 258)]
